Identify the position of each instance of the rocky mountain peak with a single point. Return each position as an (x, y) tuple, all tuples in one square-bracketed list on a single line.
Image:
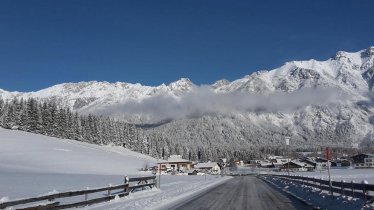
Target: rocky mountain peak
[(220, 83), (182, 84), (340, 54), (369, 51)]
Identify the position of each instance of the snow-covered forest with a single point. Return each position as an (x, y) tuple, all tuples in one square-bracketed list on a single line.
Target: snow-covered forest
[(49, 119), (204, 138)]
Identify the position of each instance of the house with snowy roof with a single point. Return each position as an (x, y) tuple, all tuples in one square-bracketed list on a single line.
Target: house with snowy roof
[(209, 167), (363, 160), (296, 165), (175, 163)]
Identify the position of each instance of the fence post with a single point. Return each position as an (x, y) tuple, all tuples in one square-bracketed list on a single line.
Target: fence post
[(364, 191), (109, 189), (353, 189), (320, 183), (342, 187), (86, 195), (126, 182), (331, 190)]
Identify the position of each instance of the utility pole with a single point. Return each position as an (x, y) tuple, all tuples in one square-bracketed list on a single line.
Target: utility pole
[(287, 138)]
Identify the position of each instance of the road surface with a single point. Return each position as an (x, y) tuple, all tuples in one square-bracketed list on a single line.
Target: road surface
[(243, 192)]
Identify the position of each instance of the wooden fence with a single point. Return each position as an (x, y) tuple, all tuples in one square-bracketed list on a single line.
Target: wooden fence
[(49, 201), (357, 190)]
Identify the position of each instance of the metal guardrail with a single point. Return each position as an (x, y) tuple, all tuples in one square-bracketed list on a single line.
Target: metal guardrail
[(356, 190), (125, 189)]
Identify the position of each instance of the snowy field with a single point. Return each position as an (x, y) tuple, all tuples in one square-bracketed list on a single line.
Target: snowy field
[(33, 165)]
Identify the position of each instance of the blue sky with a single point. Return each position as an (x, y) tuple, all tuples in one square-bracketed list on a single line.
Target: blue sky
[(44, 42)]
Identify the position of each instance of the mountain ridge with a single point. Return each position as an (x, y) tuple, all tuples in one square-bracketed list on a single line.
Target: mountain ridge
[(349, 76)]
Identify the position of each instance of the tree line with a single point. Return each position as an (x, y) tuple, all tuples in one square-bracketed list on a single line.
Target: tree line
[(47, 118)]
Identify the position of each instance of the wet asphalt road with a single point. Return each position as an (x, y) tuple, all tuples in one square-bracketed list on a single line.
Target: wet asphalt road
[(245, 192)]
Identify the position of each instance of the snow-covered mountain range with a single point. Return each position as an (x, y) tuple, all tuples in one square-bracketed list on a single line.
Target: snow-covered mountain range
[(330, 101)]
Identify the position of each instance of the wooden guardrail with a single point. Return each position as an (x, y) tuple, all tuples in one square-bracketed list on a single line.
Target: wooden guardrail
[(51, 203), (357, 190)]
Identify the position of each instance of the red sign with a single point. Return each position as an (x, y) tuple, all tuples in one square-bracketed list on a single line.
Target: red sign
[(327, 153)]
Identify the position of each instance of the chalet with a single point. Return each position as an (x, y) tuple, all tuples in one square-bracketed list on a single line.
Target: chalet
[(311, 162), (297, 166), (175, 163), (363, 160), (210, 167)]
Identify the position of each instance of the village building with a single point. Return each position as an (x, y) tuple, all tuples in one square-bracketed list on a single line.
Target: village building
[(210, 167), (363, 160), (278, 162), (222, 162), (323, 162), (297, 166), (312, 162), (318, 163), (175, 163), (265, 164), (343, 163)]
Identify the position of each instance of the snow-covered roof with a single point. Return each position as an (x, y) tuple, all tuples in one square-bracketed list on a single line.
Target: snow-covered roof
[(275, 157), (280, 161), (301, 164), (309, 160), (191, 170), (175, 159), (368, 154), (206, 165), (263, 163)]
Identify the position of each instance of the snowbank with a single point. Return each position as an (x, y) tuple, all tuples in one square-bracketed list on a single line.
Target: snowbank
[(317, 198), (174, 190)]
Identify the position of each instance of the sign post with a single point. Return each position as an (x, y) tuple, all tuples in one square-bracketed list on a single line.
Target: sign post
[(159, 177), (328, 169), (287, 138)]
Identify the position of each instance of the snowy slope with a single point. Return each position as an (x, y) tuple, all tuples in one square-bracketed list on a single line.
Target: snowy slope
[(26, 152)]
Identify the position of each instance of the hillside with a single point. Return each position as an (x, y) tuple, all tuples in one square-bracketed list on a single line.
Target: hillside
[(22, 152)]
